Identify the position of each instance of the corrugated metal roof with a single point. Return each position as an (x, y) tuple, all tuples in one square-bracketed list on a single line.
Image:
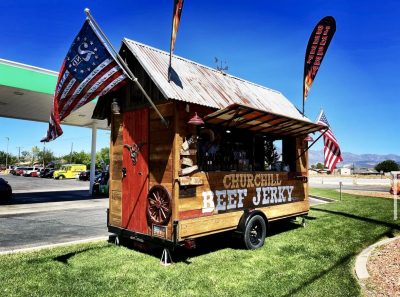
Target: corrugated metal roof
[(195, 83)]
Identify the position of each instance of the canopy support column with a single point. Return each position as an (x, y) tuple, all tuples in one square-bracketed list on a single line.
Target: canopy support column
[(93, 158)]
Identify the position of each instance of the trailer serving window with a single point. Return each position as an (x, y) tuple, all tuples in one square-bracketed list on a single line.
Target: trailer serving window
[(221, 149), (242, 138)]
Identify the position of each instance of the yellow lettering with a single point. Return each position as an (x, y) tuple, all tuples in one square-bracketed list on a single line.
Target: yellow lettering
[(227, 181)]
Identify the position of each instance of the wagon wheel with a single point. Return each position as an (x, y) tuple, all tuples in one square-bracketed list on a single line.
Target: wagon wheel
[(159, 207)]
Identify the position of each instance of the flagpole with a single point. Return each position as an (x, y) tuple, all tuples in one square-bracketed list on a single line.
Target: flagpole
[(125, 67)]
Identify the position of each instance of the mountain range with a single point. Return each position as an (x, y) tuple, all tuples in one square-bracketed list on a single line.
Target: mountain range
[(359, 161)]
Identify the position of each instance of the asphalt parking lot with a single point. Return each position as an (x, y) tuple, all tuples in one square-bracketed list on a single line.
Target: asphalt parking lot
[(47, 211), (22, 184)]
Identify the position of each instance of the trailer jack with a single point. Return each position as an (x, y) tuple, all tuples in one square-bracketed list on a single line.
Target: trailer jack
[(166, 258)]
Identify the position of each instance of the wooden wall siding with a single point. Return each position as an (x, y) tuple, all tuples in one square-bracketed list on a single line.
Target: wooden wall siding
[(206, 225), (161, 140), (195, 222), (115, 194), (213, 181), (302, 162), (135, 184)]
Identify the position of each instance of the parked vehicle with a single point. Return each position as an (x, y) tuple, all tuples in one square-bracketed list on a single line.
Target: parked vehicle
[(69, 171), (5, 191), (85, 175), (44, 171), (13, 171), (101, 184), (30, 170), (47, 173), (20, 171)]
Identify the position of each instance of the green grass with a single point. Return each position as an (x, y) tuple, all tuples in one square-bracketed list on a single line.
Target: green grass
[(314, 261)]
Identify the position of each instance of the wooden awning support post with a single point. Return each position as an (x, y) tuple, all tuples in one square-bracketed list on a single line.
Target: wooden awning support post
[(312, 144)]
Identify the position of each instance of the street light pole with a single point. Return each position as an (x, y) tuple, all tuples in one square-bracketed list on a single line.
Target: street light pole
[(8, 140), (19, 154)]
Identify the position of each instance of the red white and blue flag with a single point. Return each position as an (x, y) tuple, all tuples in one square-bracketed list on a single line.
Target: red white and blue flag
[(89, 70), (332, 152)]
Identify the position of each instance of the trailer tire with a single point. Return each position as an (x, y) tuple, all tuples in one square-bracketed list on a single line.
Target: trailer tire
[(255, 232)]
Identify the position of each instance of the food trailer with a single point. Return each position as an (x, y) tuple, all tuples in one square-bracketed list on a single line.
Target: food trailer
[(231, 157)]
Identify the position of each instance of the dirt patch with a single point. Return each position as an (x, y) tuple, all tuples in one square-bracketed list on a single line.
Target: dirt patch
[(384, 268), (369, 193)]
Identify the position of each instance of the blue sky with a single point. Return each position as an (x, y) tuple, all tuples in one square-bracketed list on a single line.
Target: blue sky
[(262, 41)]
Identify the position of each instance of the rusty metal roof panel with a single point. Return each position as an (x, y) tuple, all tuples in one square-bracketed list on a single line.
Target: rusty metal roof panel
[(199, 84)]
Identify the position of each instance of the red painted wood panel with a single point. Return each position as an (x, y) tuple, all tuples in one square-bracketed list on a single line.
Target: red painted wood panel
[(135, 185)]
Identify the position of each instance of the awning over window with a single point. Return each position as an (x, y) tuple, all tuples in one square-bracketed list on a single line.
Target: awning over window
[(243, 117)]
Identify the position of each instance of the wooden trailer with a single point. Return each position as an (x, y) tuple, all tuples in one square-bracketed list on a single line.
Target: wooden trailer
[(207, 171)]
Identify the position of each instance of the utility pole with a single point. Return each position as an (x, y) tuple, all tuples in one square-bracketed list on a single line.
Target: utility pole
[(19, 154), (70, 155), (8, 140), (44, 152)]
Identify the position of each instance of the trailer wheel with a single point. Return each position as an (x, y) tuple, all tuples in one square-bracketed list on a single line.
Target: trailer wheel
[(255, 232), (159, 207)]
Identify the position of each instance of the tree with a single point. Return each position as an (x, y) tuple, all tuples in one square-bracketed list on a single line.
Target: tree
[(271, 155), (78, 158), (35, 153), (10, 158), (387, 166), (103, 157), (45, 157), (25, 156), (319, 166)]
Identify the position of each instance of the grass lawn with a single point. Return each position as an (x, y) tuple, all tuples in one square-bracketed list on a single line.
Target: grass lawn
[(314, 261)]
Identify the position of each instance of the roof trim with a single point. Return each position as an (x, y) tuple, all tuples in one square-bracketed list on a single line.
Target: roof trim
[(28, 67), (223, 117)]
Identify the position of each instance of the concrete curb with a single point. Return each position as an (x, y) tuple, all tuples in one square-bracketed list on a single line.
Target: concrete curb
[(322, 198), (51, 190), (51, 246), (362, 258)]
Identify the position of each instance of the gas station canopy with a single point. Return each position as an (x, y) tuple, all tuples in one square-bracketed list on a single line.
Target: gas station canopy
[(26, 93)]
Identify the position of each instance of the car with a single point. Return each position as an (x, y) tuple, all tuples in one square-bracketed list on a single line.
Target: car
[(48, 174), (85, 175), (20, 171), (69, 171), (44, 171), (13, 170), (29, 170), (5, 191)]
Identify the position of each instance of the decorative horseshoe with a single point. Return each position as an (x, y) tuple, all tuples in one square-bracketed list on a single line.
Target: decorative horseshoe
[(134, 150)]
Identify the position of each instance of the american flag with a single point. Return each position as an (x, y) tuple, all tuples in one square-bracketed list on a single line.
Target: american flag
[(332, 152), (88, 71)]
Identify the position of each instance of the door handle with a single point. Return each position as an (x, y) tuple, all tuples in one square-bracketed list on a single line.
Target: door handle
[(123, 172)]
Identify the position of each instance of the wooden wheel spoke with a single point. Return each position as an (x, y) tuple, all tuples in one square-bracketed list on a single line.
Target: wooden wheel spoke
[(159, 205)]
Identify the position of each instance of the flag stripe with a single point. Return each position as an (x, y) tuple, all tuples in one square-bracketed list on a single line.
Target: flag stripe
[(332, 154), (97, 72), (89, 89), (87, 71)]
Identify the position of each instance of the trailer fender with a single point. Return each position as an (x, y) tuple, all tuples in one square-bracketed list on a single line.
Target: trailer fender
[(247, 215)]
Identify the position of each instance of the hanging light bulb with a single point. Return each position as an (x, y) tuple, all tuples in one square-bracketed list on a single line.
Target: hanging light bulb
[(196, 120)]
